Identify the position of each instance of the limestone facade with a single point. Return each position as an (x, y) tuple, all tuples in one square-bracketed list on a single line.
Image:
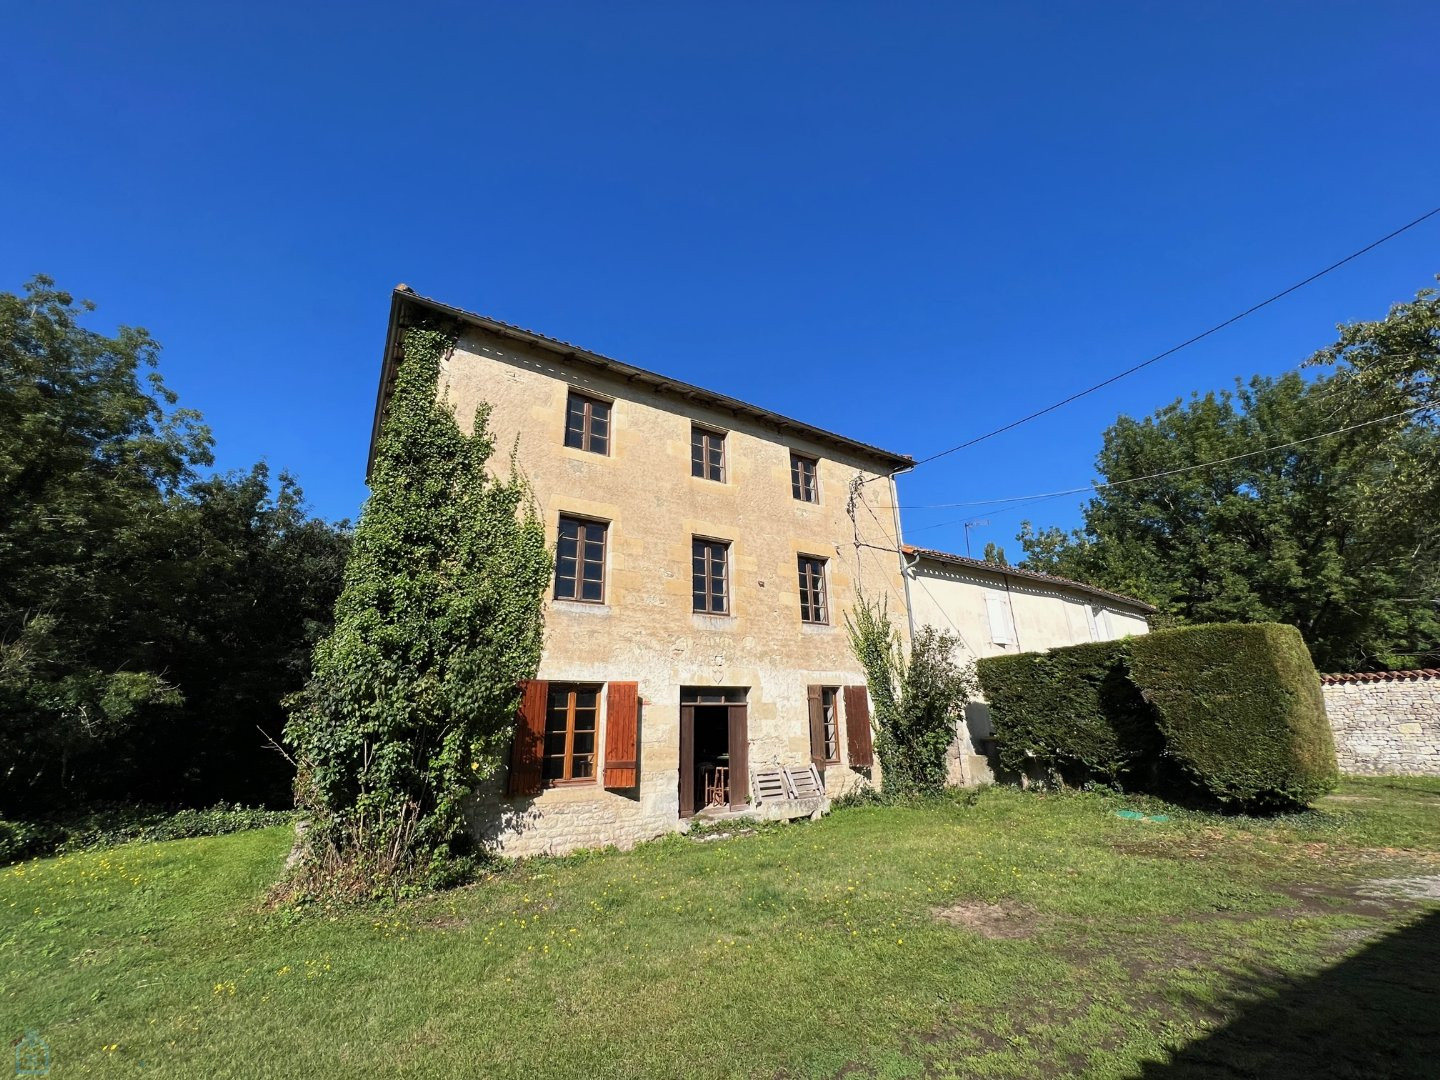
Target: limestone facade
[(645, 631), (1385, 723)]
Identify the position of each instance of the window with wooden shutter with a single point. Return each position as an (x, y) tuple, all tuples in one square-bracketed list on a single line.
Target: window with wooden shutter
[(1002, 628), (528, 749), (622, 728), (815, 699), (857, 728), (572, 717), (710, 591)]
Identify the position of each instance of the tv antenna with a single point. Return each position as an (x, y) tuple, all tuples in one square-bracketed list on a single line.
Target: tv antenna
[(967, 526)]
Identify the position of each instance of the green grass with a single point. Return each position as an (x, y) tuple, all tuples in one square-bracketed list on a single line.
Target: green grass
[(803, 950)]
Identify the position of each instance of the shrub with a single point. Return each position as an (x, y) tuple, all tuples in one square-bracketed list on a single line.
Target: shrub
[(104, 826), (1071, 712), (1241, 710)]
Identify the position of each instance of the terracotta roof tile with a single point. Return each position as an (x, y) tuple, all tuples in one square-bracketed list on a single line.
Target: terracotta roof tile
[(1033, 575), (1381, 676)]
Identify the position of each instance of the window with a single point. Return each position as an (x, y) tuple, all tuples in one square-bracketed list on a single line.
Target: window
[(707, 454), (710, 584), (802, 478), (580, 561), (1002, 626), (831, 720), (571, 715), (587, 423), (812, 589)]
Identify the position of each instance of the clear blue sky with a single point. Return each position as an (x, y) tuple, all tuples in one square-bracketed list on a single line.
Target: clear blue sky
[(909, 223)]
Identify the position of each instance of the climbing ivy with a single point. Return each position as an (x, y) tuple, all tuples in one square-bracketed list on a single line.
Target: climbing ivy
[(412, 697), (919, 699)]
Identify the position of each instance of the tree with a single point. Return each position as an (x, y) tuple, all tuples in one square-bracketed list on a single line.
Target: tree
[(151, 617), (994, 553), (918, 699), (88, 463), (1285, 536), (413, 695)]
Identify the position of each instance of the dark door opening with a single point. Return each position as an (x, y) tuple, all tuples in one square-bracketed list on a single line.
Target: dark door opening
[(714, 750)]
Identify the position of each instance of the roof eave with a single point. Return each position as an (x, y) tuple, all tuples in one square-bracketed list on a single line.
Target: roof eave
[(1030, 575)]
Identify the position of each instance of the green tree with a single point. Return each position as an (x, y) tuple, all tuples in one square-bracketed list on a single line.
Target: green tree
[(919, 699), (994, 553), (89, 461), (151, 617), (413, 694), (1285, 536)]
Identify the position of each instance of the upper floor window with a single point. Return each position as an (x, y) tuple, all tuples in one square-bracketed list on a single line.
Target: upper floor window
[(710, 577), (587, 423), (802, 478), (707, 454), (812, 590), (580, 561), (571, 716)]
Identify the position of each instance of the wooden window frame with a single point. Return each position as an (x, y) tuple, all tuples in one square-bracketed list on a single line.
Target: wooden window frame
[(830, 723), (567, 777), (604, 526), (586, 433), (813, 589), (708, 545), (798, 489), (699, 441)]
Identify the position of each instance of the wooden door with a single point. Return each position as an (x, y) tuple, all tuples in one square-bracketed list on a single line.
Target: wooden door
[(687, 760), (739, 758)]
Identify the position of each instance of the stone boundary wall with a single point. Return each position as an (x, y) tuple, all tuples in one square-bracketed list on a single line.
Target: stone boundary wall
[(1385, 722)]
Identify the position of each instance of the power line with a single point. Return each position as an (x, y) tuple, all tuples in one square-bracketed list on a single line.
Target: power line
[(1183, 468), (1183, 345)]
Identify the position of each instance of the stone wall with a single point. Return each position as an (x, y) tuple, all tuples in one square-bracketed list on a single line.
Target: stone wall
[(1385, 722)]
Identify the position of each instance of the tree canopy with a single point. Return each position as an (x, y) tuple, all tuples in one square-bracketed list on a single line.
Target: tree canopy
[(1336, 534), (152, 615)]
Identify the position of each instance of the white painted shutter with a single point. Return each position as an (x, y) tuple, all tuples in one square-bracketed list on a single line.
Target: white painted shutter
[(1002, 630)]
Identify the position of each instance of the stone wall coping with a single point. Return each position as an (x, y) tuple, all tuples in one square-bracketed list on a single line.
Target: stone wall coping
[(1382, 676)]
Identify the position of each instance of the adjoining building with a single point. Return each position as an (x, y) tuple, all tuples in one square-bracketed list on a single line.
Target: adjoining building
[(694, 632), (996, 609)]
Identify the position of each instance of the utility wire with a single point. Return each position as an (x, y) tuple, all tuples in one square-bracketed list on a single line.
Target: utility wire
[(1186, 468), (1176, 348)]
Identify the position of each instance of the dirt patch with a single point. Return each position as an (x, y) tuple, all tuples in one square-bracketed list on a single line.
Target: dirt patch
[(1421, 887), (989, 920)]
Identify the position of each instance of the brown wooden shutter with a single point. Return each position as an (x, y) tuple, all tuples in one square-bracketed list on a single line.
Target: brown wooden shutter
[(739, 757), (622, 726), (817, 727), (527, 752), (857, 728)]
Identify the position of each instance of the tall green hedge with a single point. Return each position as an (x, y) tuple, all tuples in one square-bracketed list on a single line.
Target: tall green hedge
[(1241, 710), (1233, 709), (1071, 711)]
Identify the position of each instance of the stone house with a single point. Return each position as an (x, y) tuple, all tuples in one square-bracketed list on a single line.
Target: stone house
[(705, 558), (997, 609)]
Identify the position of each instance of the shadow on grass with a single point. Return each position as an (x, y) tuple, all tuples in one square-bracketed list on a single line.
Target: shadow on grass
[(1375, 1014)]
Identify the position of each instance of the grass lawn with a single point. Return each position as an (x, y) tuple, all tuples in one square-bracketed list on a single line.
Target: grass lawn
[(1000, 934)]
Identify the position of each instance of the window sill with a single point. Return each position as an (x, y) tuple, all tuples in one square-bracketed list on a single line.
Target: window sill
[(585, 607), (817, 628), (584, 781), (704, 621)]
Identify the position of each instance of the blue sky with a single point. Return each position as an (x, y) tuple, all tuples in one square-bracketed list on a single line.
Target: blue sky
[(909, 223)]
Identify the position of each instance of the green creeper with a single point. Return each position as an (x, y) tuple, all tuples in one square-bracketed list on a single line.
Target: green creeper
[(413, 694)]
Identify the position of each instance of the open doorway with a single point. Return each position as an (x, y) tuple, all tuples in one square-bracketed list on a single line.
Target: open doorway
[(714, 749)]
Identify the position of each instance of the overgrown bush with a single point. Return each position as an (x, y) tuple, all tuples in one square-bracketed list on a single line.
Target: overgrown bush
[(413, 695), (1071, 712), (1241, 710), (918, 698)]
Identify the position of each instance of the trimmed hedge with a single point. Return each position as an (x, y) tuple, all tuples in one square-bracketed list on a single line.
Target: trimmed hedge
[(1241, 710), (1233, 710), (1071, 711)]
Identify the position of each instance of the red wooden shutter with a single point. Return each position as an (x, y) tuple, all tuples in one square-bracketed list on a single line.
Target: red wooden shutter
[(817, 728), (857, 728), (527, 752), (622, 725)]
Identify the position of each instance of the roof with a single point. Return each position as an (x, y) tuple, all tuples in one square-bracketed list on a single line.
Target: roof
[(1032, 575), (1381, 676), (405, 303)]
